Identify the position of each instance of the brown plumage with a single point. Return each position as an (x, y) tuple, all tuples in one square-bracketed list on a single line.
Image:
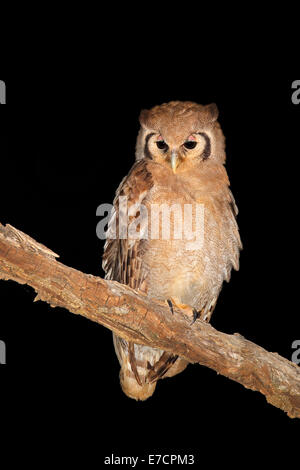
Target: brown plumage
[(180, 156)]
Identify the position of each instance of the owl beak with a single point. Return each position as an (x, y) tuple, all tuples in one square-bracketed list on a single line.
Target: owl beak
[(174, 161)]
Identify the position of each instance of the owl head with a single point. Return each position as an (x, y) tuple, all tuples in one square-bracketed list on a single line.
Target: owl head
[(180, 135)]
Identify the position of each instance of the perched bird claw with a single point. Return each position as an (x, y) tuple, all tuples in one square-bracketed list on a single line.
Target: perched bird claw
[(196, 315), (186, 309), (170, 305)]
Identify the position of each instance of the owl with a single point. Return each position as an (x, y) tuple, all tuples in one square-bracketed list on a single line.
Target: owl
[(179, 164)]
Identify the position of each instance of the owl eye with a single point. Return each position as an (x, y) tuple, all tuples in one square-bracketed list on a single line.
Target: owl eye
[(161, 144), (190, 144)]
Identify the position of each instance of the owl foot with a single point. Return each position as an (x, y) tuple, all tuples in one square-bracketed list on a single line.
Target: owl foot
[(187, 309)]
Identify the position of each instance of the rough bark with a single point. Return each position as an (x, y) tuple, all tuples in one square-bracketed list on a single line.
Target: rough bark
[(135, 317)]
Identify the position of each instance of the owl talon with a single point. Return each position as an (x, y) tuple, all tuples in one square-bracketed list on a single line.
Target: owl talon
[(170, 305), (196, 315)]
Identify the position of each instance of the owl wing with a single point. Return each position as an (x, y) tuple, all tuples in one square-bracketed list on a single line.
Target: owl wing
[(234, 243), (122, 258), (123, 262)]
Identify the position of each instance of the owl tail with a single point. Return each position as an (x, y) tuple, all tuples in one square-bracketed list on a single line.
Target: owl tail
[(141, 367), (132, 388)]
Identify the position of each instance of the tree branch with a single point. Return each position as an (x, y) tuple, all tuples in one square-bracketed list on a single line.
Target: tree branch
[(137, 318)]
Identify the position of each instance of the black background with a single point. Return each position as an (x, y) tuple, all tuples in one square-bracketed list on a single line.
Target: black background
[(67, 140)]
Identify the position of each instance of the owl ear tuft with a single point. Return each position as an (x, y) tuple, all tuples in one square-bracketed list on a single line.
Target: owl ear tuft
[(143, 118), (212, 112)]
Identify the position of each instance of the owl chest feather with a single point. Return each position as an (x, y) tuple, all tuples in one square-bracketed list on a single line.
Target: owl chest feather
[(191, 256)]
